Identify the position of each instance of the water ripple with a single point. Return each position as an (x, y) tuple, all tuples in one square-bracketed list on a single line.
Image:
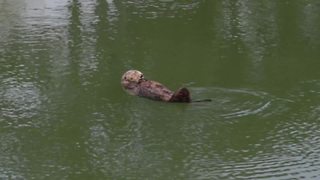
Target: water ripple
[(151, 9), (20, 101), (236, 103), (285, 145)]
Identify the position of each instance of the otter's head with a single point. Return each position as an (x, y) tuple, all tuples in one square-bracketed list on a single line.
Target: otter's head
[(132, 76), (131, 79)]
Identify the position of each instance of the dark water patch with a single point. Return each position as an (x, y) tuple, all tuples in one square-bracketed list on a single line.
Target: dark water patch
[(306, 91)]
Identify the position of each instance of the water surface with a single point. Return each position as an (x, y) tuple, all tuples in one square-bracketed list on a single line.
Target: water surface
[(64, 115)]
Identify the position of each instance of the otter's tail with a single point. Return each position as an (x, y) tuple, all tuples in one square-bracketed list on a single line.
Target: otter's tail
[(181, 95)]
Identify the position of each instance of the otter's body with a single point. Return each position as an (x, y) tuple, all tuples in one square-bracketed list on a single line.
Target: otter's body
[(135, 84), (154, 90)]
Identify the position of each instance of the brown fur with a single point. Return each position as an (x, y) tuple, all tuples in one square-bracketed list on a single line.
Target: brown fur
[(134, 83)]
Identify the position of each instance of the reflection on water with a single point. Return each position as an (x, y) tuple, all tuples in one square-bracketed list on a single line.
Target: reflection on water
[(152, 9), (310, 25), (22, 100), (65, 116)]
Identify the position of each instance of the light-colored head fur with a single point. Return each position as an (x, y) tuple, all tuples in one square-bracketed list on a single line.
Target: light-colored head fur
[(133, 76), (130, 81)]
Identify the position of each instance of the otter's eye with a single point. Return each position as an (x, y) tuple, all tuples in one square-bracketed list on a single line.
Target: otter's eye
[(141, 77)]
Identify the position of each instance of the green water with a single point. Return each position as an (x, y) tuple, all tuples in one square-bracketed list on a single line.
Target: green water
[(64, 114)]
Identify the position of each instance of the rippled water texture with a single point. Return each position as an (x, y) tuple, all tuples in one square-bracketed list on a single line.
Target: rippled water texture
[(64, 114)]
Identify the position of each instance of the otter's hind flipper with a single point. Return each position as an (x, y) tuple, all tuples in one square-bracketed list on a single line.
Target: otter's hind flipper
[(181, 95)]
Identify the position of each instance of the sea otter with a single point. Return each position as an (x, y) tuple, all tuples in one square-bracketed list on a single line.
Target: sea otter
[(134, 83)]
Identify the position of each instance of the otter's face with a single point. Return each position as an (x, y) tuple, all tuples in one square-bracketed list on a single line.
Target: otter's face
[(132, 76), (131, 79)]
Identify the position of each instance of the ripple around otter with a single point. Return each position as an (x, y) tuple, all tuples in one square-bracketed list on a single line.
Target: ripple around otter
[(281, 141), (237, 103)]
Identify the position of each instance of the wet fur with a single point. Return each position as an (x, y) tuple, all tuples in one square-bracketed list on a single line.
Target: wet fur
[(134, 83)]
